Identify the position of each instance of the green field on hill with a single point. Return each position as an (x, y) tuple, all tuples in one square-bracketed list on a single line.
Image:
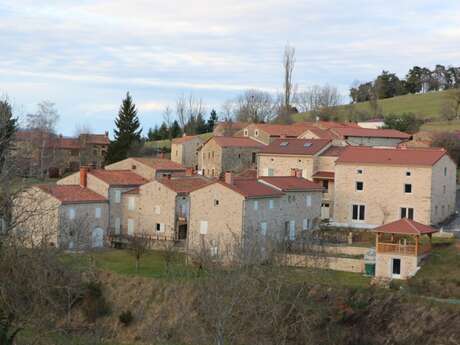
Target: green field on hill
[(426, 106)]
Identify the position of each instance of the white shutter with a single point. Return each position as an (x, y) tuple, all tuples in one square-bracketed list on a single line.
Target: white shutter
[(162, 227), (117, 226), (271, 203), (130, 227), (263, 228), (292, 230), (308, 200), (97, 212), (131, 203), (203, 227), (265, 172), (256, 205), (117, 196), (71, 214), (305, 224)]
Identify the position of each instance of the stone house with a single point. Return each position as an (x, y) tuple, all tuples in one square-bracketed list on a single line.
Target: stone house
[(161, 208), (221, 154), (228, 214), (184, 150), (374, 186), (357, 136), (401, 247), (65, 216), (227, 128), (266, 133), (374, 123), (148, 167), (111, 184)]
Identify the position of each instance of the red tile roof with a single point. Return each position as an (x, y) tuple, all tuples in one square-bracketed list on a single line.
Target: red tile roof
[(292, 183), (64, 143), (159, 163), (333, 151), (185, 184), (332, 124), (405, 226), (324, 175), (248, 173), (370, 132), (322, 133), (236, 142), (118, 177), (233, 124), (251, 188), (390, 156), (98, 139), (72, 194), (296, 146), (185, 139)]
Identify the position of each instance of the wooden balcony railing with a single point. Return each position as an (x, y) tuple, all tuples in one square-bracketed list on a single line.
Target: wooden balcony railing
[(405, 249)]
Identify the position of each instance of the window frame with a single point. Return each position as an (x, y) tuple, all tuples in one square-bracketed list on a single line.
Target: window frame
[(360, 213)]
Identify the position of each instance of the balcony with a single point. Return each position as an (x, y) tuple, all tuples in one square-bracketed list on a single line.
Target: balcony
[(404, 249)]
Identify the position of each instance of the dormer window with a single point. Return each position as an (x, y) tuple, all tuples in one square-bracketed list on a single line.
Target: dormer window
[(246, 133), (256, 132), (284, 143), (306, 144)]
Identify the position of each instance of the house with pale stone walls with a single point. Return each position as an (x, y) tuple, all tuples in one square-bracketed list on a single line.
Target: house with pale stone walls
[(184, 150), (357, 136), (374, 186), (230, 213), (148, 167), (266, 133), (220, 154)]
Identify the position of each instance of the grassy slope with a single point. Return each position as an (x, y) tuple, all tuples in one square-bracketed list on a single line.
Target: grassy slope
[(167, 143), (426, 106)]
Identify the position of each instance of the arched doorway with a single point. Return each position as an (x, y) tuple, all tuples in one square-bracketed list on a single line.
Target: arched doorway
[(97, 238)]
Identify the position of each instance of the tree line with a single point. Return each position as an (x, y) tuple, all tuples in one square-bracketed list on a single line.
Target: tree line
[(417, 80)]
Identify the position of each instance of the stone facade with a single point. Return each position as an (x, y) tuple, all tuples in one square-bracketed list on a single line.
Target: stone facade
[(185, 152), (384, 265)]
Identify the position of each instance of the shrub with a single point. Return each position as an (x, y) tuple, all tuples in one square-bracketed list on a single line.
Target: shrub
[(94, 304), (126, 318)]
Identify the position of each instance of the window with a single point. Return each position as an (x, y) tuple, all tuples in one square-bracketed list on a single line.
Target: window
[(445, 171), (292, 230), (203, 227), (444, 189), (436, 210), (253, 158), (97, 212), (160, 227), (256, 132), (130, 227), (117, 226), (216, 202), (359, 171), (270, 172), (326, 185), (239, 155), (117, 196), (308, 200), (71, 213), (408, 173), (157, 209), (306, 224), (358, 212), (246, 133), (271, 204), (131, 203), (256, 205), (133, 167), (407, 212), (263, 228), (359, 186), (407, 188)]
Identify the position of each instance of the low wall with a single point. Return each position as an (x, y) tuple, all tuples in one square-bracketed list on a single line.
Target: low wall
[(347, 250), (332, 263)]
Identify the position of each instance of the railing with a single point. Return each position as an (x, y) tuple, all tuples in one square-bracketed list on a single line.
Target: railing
[(406, 249)]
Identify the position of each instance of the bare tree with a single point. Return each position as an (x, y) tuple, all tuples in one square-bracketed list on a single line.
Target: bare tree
[(82, 128), (316, 97), (187, 110), (288, 68), (138, 246), (168, 120), (181, 111), (254, 106)]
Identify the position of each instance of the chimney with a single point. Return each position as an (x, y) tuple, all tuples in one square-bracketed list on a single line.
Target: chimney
[(107, 133), (298, 173), (83, 176), (162, 154), (293, 172), (189, 171), (228, 177)]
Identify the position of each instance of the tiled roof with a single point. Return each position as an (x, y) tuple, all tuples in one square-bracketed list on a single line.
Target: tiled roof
[(370, 132), (332, 124), (407, 227), (234, 125), (322, 133), (98, 139), (251, 188), (64, 143), (389, 156), (324, 175), (333, 151), (296, 146), (185, 184), (132, 191), (118, 177), (292, 183), (185, 139), (159, 163), (70, 194), (248, 173), (236, 142)]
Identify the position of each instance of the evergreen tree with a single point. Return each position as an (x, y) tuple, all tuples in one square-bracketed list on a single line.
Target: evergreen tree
[(8, 128), (127, 131), (153, 134), (212, 120), (175, 130), (163, 132), (200, 124)]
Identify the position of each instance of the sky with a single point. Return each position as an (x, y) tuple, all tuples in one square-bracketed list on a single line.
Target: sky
[(85, 55)]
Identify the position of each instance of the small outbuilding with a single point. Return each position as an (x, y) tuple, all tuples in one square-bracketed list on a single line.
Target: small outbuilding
[(400, 248)]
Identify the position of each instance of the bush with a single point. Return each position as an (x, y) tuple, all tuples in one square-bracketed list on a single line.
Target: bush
[(126, 318), (94, 304)]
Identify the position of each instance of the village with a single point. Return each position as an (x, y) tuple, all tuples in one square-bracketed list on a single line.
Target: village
[(265, 186)]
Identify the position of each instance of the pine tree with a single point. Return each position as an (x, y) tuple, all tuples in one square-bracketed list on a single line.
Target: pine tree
[(8, 128), (163, 132), (200, 125), (175, 130), (153, 134), (127, 132), (212, 120)]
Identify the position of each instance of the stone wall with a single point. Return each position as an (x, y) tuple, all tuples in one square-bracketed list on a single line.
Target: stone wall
[(332, 263)]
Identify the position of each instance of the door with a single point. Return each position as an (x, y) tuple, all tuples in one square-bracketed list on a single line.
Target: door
[(396, 268), (97, 238)]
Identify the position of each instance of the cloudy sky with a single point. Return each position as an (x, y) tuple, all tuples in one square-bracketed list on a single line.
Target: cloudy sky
[(84, 55)]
